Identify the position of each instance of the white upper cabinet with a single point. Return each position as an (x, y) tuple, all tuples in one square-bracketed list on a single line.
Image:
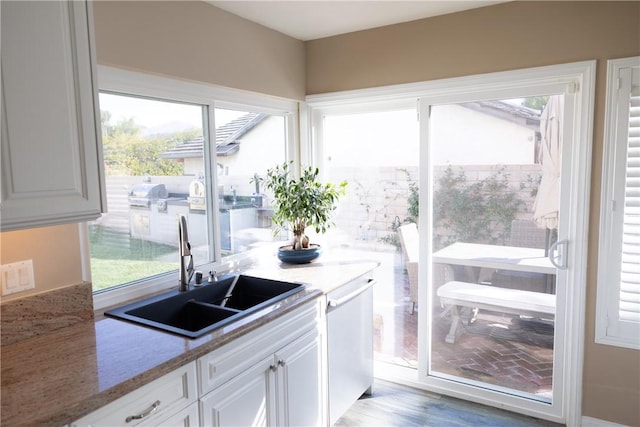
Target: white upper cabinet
[(51, 146)]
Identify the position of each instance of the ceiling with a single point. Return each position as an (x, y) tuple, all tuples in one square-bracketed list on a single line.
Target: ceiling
[(309, 20)]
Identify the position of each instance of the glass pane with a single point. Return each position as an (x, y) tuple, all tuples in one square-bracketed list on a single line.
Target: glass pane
[(496, 172), (377, 154), (247, 144), (148, 175)]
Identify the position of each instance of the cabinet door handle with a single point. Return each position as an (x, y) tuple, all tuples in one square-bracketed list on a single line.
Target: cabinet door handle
[(275, 367), (153, 408)]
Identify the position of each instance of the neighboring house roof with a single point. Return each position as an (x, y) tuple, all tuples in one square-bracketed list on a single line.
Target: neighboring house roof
[(518, 114), (227, 138), (193, 148)]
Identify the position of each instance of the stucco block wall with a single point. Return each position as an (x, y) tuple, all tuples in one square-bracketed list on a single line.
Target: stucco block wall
[(377, 195)]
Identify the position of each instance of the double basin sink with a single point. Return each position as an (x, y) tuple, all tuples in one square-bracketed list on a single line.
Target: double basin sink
[(202, 309)]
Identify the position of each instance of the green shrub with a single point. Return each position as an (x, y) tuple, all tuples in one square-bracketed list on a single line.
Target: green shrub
[(477, 213)]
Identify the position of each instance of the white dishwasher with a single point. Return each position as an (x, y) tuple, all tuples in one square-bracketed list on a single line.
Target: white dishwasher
[(349, 344)]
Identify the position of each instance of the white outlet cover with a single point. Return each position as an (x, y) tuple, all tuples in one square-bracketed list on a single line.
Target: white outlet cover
[(17, 277)]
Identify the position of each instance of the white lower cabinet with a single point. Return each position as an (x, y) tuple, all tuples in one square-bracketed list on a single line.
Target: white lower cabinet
[(246, 400), (299, 382), (169, 400), (272, 377), (283, 389)]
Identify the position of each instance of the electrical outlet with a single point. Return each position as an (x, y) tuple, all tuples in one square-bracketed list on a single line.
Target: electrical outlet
[(17, 277)]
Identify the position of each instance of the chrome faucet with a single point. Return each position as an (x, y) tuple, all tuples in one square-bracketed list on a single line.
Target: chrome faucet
[(184, 247)]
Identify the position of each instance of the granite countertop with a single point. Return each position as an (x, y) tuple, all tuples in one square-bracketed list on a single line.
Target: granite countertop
[(60, 376), (326, 274)]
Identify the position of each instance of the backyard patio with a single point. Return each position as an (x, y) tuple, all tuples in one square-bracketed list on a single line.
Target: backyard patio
[(497, 349)]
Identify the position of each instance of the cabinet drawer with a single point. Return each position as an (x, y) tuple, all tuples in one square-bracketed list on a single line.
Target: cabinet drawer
[(228, 361), (188, 417), (151, 403)]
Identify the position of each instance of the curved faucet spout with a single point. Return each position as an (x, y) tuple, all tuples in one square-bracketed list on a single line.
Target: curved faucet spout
[(184, 248)]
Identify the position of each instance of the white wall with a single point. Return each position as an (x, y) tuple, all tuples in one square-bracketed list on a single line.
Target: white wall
[(261, 148), (465, 137)]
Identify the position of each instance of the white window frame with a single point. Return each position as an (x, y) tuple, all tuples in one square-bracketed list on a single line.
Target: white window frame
[(610, 329), (151, 86)]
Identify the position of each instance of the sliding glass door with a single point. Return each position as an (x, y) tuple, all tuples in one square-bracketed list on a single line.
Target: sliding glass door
[(376, 151), (501, 257), (485, 230), (493, 220)]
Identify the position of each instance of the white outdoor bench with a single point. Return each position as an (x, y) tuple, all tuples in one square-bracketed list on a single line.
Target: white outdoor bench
[(511, 301)]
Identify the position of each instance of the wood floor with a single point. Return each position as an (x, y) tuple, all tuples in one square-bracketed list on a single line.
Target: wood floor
[(395, 405)]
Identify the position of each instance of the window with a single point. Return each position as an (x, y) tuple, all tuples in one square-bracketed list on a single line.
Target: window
[(247, 144), (147, 185), (173, 148), (618, 301)]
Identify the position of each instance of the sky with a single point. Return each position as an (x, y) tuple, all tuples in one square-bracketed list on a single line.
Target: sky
[(159, 116)]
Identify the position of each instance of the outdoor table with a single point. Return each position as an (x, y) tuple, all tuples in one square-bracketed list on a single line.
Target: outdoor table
[(474, 256)]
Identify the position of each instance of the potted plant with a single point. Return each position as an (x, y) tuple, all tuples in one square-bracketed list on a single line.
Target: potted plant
[(301, 203)]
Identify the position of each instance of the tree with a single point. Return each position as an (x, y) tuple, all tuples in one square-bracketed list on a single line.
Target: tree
[(302, 202), (127, 152), (143, 158), (535, 102), (105, 118), (115, 140)]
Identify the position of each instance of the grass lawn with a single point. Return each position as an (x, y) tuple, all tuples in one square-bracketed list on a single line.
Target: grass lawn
[(117, 259)]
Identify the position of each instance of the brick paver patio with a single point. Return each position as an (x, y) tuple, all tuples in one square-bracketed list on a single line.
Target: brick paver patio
[(497, 349)]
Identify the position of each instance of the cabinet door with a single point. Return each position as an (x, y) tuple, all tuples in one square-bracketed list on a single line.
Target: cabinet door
[(300, 385), (245, 400), (50, 138)]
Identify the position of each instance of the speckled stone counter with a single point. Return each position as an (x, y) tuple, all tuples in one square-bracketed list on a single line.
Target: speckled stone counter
[(60, 376), (326, 273)]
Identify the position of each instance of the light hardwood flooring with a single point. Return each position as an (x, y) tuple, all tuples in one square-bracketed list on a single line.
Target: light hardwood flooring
[(396, 405)]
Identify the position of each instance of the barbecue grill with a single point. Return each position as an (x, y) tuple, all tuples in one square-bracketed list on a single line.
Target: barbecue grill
[(143, 195)]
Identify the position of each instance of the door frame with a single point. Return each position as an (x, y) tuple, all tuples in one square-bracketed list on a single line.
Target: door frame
[(576, 82)]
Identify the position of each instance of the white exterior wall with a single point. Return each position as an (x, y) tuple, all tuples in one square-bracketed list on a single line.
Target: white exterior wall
[(261, 148), (466, 137)]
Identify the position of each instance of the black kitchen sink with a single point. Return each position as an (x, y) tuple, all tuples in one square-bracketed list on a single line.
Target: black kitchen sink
[(202, 309)]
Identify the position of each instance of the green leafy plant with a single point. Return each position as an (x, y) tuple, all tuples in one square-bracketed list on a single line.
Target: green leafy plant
[(413, 211), (480, 212), (143, 158), (532, 183), (128, 152), (301, 203)]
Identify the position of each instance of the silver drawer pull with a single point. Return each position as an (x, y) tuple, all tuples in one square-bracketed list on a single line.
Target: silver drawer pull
[(153, 408)]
